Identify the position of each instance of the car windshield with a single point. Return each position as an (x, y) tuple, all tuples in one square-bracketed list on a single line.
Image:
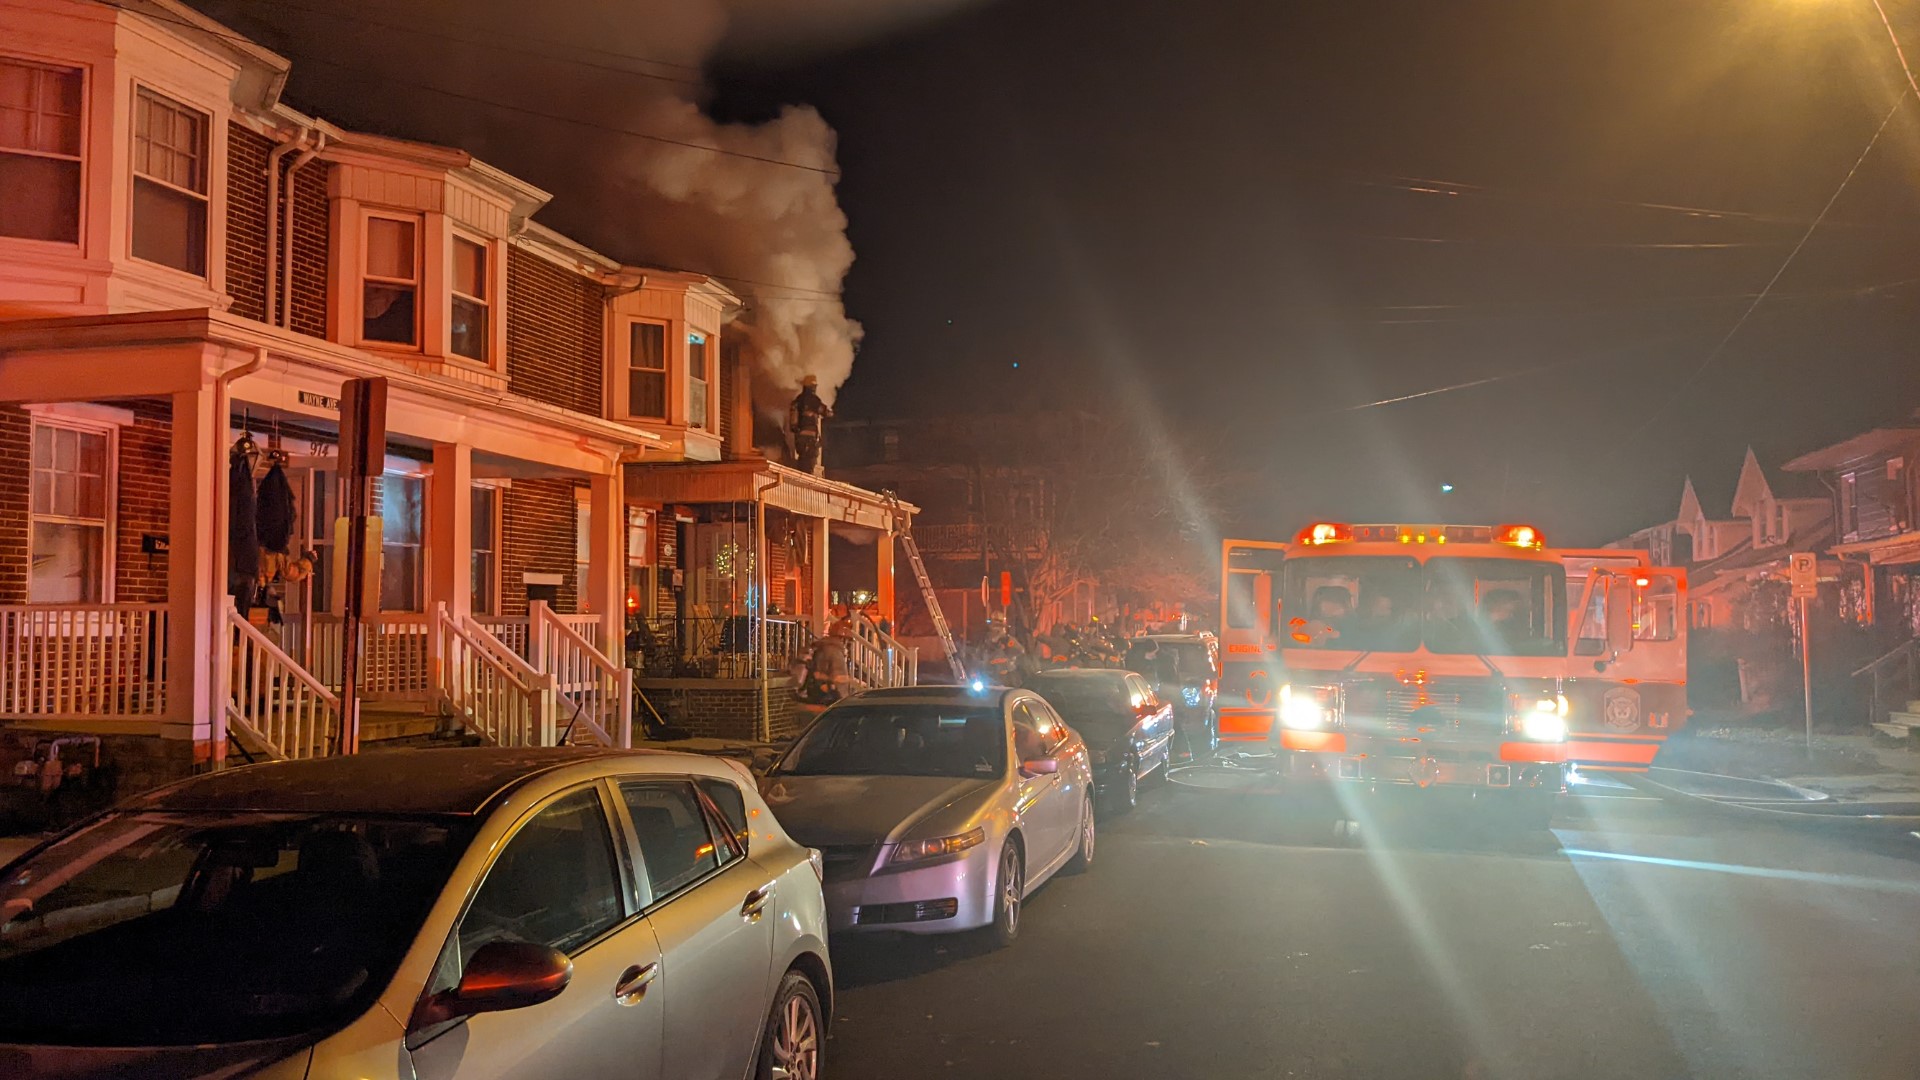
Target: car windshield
[(904, 739), (168, 929), (1083, 700), (1170, 661), (1391, 603)]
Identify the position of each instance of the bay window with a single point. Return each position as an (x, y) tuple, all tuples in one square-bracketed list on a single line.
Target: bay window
[(647, 371), (469, 305), (169, 183), (697, 380), (390, 281), (68, 541), (40, 133)]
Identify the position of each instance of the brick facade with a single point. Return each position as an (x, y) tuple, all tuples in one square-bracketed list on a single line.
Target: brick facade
[(247, 221), (312, 245), (16, 449), (145, 496), (556, 324), (724, 708), (537, 535)]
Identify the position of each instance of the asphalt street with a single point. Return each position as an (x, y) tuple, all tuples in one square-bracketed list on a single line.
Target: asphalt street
[(1223, 935)]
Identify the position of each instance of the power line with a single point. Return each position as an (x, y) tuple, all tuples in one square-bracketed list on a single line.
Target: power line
[(1425, 186), (556, 117), (1602, 245)]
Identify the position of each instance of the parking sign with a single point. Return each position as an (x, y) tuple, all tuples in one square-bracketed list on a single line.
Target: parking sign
[(1803, 573)]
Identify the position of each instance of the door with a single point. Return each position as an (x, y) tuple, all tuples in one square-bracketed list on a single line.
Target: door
[(1050, 814), (1153, 733), (556, 882), (711, 910)]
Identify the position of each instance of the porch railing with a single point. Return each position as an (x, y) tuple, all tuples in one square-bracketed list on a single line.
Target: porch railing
[(1895, 680), (393, 655), (274, 703), (879, 659), (83, 661), (596, 694), (719, 647), (515, 630), (497, 695)]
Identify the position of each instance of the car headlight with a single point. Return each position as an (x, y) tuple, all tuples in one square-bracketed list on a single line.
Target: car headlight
[(919, 850), (1542, 720), (1305, 709), (1190, 695)]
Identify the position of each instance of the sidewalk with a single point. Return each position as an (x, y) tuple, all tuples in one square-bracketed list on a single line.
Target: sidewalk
[(1858, 769)]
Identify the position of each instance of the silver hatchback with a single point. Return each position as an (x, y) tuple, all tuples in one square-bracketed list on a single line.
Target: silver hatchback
[(428, 914), (937, 808)]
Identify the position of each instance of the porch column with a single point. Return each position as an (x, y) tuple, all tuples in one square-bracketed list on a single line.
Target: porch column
[(883, 588), (196, 570), (604, 592), (450, 528), (822, 598)]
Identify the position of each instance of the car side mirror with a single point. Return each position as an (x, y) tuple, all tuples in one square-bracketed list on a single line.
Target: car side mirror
[(1040, 766), (501, 975)]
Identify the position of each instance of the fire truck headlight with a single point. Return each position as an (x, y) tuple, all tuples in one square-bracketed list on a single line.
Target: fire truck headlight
[(1544, 725), (1302, 711)]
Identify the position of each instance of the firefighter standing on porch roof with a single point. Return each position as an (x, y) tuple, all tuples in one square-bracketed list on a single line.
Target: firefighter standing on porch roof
[(805, 420)]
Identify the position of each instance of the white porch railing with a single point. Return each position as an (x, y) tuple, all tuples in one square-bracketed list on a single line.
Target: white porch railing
[(878, 659), (274, 703), (393, 656), (83, 661), (496, 694), (595, 693), (514, 630)]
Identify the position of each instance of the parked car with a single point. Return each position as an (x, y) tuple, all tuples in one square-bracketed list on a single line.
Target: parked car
[(1184, 670), (937, 808), (1127, 729), (432, 914)]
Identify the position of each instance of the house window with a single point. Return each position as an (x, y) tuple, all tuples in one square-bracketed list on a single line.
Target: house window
[(68, 549), (647, 371), (640, 589), (40, 122), (469, 299), (486, 549), (697, 380), (582, 545), (390, 309), (402, 516), (169, 184)]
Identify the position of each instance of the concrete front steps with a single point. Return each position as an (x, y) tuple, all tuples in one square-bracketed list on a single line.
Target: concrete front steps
[(1901, 725), (386, 725)]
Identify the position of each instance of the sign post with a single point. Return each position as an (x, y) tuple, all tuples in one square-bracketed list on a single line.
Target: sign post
[(363, 451), (1803, 574)]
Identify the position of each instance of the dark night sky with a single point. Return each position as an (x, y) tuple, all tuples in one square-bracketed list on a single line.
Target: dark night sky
[(1215, 211)]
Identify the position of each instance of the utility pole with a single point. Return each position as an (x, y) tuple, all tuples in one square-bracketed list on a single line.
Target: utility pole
[(363, 448)]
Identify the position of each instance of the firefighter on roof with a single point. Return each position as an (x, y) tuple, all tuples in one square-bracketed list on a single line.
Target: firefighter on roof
[(806, 418)]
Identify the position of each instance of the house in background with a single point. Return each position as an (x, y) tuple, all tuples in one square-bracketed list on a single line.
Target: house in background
[(189, 268)]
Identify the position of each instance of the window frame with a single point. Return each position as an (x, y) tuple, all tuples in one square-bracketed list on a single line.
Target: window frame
[(629, 368), (135, 177), (81, 158), (362, 277), (109, 519), (496, 491), (454, 295), (700, 375), (644, 891)]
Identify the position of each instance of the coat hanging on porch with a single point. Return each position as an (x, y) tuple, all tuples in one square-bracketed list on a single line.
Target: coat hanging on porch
[(243, 545), (275, 510)]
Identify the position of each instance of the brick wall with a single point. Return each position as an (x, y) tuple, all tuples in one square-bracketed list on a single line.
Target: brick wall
[(146, 449), (129, 764), (724, 708), (16, 448), (537, 535), (555, 327), (312, 239), (247, 221)]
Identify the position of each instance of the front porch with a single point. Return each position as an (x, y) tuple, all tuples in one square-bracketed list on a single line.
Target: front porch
[(503, 570)]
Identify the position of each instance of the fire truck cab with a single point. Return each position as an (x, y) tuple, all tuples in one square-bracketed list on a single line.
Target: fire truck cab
[(1432, 657)]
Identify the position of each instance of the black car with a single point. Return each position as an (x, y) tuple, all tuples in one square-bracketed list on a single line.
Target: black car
[(1127, 728), (1184, 671)]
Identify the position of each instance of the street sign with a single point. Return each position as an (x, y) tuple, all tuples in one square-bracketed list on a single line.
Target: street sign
[(1803, 573)]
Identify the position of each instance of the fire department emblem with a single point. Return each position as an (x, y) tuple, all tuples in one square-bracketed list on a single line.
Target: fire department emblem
[(1620, 708)]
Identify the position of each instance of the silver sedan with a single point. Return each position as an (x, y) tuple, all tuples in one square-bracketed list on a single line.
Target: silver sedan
[(938, 809)]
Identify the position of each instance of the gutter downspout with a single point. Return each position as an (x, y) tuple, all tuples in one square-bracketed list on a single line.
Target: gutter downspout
[(222, 502), (285, 313), (272, 299), (760, 596)]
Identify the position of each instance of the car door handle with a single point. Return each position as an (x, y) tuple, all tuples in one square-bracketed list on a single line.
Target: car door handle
[(756, 903), (634, 982)]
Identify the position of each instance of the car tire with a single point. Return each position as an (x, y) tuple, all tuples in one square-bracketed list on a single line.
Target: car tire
[(1127, 793), (794, 1043), (1082, 860), (1009, 888)]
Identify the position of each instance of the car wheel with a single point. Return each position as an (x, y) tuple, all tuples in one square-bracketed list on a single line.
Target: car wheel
[(794, 1045), (1009, 890), (1130, 788), (1082, 859)]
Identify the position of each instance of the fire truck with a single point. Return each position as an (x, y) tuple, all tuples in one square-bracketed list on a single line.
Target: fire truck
[(1464, 659)]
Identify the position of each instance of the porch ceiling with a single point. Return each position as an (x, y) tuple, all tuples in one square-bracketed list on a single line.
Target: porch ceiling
[(779, 486)]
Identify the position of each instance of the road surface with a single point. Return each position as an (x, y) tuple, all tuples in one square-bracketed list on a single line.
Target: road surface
[(1223, 936)]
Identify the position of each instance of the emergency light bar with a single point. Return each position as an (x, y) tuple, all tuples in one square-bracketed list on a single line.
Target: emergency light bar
[(1331, 532)]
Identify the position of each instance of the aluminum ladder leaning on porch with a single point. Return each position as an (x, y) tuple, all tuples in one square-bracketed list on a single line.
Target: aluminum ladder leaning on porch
[(931, 599)]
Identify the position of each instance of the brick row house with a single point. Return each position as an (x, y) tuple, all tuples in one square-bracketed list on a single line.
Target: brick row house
[(189, 272)]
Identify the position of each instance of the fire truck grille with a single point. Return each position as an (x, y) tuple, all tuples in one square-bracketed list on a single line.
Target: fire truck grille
[(1457, 709)]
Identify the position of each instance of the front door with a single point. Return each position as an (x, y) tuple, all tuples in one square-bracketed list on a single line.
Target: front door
[(711, 910), (556, 882)]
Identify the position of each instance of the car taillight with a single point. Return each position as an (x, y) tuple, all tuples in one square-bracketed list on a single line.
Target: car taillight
[(819, 864)]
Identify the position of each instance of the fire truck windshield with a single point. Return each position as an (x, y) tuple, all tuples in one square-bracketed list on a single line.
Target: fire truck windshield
[(1393, 603)]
